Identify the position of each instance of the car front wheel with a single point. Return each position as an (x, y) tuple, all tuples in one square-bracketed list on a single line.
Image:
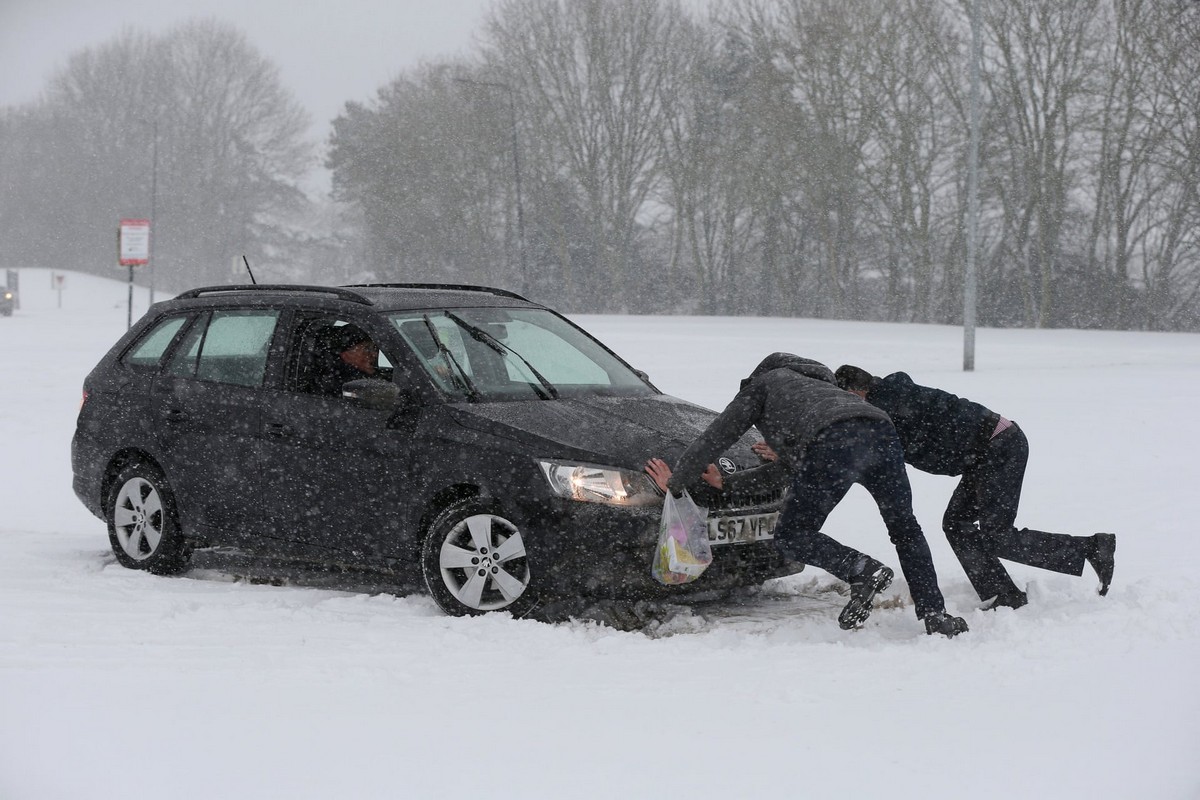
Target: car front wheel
[(474, 562), (142, 525)]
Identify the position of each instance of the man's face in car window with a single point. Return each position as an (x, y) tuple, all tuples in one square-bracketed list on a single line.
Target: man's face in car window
[(364, 356)]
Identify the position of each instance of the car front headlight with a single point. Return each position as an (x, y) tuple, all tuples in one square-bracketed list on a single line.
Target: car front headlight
[(596, 484)]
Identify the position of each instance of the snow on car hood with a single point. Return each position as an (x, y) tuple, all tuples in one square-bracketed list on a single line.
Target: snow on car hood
[(619, 431)]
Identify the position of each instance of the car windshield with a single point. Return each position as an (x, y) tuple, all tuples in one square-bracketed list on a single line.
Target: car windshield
[(490, 354)]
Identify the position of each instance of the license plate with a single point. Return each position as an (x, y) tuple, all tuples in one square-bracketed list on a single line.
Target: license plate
[(742, 530)]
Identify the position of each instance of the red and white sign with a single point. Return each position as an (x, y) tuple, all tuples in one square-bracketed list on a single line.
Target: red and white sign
[(133, 242)]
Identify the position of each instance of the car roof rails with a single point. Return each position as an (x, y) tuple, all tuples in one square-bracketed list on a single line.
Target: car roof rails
[(454, 287), (340, 292)]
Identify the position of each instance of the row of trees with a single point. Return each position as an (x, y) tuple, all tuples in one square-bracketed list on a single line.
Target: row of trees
[(799, 157), (787, 157), (193, 124)]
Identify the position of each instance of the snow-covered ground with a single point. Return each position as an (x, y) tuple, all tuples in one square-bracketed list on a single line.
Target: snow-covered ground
[(119, 684)]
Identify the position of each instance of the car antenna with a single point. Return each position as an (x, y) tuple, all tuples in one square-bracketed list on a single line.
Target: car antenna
[(247, 263)]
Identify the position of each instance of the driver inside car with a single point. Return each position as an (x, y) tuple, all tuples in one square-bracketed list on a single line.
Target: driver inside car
[(352, 355)]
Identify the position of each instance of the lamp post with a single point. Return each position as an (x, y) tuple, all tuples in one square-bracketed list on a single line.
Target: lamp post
[(516, 151), (153, 204), (153, 199), (969, 282)]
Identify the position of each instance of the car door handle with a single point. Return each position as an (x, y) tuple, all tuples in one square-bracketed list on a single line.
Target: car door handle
[(177, 415), (278, 429)]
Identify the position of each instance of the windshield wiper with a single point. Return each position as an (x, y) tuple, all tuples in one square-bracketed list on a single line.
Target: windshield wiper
[(480, 335), (444, 351)]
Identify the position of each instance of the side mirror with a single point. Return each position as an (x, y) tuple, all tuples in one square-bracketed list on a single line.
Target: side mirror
[(641, 374), (372, 393)]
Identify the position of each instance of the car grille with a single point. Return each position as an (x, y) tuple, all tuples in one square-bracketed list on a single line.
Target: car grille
[(723, 503)]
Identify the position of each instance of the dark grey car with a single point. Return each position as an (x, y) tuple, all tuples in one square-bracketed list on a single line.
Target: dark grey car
[(498, 453)]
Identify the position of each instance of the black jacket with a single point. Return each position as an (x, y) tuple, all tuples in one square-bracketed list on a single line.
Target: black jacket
[(791, 400), (941, 432), (337, 373)]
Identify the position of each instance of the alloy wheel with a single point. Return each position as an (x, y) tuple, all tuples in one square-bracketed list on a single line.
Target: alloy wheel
[(483, 563), (138, 518)]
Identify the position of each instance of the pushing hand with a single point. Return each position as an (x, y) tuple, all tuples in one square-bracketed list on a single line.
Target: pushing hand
[(659, 472)]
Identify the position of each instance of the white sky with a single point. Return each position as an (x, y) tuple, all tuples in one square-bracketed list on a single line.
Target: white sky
[(327, 51)]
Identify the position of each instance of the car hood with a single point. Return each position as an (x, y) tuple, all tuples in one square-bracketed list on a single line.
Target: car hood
[(616, 431)]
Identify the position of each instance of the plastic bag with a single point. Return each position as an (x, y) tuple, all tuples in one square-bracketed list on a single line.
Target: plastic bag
[(683, 551)]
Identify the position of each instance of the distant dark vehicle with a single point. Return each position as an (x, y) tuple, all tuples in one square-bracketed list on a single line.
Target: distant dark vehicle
[(497, 453), (8, 301)]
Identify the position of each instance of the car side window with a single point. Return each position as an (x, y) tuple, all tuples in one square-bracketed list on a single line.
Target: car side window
[(183, 362), (312, 357), (231, 348), (149, 351)]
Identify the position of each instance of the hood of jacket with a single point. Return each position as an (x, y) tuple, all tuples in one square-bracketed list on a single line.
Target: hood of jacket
[(805, 366)]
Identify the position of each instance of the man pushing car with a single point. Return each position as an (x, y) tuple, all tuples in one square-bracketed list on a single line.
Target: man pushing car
[(827, 440), (949, 435)]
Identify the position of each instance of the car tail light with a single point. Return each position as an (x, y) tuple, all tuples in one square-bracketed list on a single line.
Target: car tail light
[(83, 400)]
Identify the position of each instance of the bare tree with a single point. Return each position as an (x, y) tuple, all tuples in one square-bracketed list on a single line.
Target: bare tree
[(429, 165), (1041, 55), (589, 75), (97, 151), (229, 153), (232, 146), (826, 50), (1169, 258), (912, 161), (712, 169), (1125, 132)]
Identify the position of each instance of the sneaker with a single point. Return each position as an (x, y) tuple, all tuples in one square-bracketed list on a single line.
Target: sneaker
[(946, 625), (862, 592), (793, 567), (1013, 599), (1101, 554)]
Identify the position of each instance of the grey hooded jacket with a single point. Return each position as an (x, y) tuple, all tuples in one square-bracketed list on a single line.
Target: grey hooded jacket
[(790, 400)]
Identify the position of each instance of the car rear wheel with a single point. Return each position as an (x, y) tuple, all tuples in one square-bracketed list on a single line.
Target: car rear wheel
[(474, 562), (142, 525)]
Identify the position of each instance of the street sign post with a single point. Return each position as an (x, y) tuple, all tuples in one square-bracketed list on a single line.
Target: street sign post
[(135, 242), (133, 250)]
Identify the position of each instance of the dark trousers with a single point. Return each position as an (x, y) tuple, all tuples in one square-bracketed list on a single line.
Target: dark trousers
[(979, 522), (865, 452)]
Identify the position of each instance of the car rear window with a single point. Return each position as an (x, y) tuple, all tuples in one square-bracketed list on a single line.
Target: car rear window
[(149, 351), (231, 348)]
